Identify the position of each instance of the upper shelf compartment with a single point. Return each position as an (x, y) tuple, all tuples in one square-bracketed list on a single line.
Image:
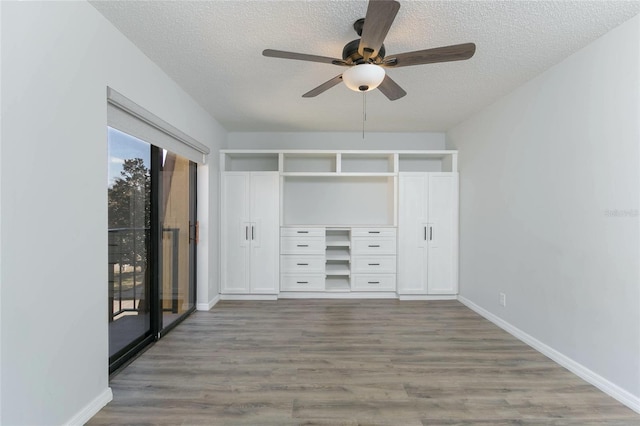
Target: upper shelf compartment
[(249, 161), (314, 163), (338, 163), (361, 163), (428, 161)]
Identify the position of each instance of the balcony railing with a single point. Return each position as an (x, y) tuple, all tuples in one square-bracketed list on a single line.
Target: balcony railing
[(128, 272), (128, 275)]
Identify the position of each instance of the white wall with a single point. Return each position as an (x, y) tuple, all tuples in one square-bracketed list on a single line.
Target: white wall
[(0, 218), (334, 140), (549, 198), (57, 60)]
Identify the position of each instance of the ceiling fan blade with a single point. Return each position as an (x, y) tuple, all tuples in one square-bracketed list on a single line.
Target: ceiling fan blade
[(378, 20), (456, 52), (302, 57), (391, 89), (323, 87)]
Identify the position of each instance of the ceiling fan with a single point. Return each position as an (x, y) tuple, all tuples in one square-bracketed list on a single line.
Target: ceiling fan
[(365, 57)]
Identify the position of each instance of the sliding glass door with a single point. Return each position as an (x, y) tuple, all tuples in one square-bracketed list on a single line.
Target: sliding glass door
[(179, 235), (152, 241)]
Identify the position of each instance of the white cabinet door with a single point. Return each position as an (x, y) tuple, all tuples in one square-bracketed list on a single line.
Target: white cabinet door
[(442, 230), (428, 233), (412, 245), (249, 232), (234, 233), (264, 232)]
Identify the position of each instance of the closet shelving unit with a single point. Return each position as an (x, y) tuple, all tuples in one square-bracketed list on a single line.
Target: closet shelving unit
[(338, 259), (338, 192)]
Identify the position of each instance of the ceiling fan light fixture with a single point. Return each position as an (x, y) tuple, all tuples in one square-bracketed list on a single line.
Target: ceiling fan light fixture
[(363, 77)]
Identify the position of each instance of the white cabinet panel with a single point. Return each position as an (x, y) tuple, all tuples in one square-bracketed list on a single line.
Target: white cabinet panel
[(378, 282), (442, 271), (265, 204), (249, 232), (368, 245), (427, 233), (302, 232), (412, 245), (296, 245), (234, 233), (302, 282), (302, 264), (373, 265), (373, 232)]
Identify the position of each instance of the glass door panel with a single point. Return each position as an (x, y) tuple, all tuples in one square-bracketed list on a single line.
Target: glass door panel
[(177, 258), (129, 271)]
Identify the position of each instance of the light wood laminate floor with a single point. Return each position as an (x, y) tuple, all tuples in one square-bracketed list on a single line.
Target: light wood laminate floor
[(350, 362)]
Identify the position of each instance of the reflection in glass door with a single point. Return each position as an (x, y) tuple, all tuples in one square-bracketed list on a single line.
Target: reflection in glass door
[(179, 234), (129, 265)]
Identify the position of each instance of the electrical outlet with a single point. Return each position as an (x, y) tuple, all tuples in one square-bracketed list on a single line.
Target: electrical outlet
[(503, 300)]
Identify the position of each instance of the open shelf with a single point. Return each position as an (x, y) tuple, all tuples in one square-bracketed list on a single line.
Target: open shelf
[(332, 163), (369, 163), (337, 284), (337, 269), (338, 237), (250, 162), (309, 163), (338, 253), (427, 162)]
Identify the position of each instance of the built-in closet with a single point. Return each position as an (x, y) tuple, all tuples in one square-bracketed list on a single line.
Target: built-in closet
[(301, 223)]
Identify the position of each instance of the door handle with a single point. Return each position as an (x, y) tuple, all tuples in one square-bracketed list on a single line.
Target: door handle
[(246, 233), (196, 232), (425, 233), (252, 232), (430, 233)]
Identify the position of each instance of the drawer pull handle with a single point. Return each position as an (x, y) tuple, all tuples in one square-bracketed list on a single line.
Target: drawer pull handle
[(302, 282), (373, 282), (374, 232), (374, 264), (374, 245), (302, 232), (303, 245), (302, 264)]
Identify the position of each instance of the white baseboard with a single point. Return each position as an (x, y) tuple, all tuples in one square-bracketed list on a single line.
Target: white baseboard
[(576, 368), (91, 409), (208, 306), (248, 297), (424, 297), (336, 295)]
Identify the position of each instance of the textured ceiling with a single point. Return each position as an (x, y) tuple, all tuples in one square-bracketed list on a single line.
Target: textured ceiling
[(213, 50)]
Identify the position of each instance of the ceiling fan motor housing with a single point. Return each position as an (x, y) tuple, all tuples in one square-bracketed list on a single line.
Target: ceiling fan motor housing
[(350, 52)]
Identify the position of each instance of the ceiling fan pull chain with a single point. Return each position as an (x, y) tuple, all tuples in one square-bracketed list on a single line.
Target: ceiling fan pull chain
[(364, 111)]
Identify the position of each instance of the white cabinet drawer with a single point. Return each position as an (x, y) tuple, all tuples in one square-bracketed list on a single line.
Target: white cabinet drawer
[(380, 282), (373, 232), (373, 265), (367, 245), (302, 232), (299, 245), (302, 264), (302, 282)]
